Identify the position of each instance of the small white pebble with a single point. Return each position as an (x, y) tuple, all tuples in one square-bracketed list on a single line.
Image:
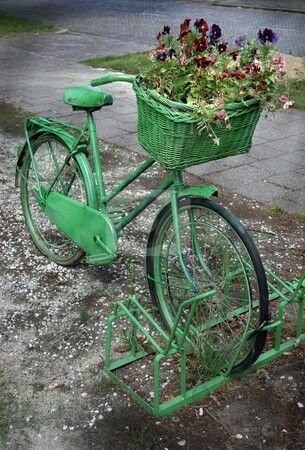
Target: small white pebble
[(182, 443), (239, 436), (84, 394), (300, 405)]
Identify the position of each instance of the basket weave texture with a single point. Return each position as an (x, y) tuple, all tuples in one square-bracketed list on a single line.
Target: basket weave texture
[(168, 130)]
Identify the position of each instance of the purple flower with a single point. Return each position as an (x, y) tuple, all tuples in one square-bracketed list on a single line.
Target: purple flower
[(240, 40), (172, 52), (161, 56), (215, 32), (166, 30), (267, 36)]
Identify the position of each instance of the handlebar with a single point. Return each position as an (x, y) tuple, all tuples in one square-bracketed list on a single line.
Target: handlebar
[(112, 78)]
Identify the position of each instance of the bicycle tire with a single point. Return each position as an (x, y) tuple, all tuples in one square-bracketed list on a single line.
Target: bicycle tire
[(224, 245), (50, 152)]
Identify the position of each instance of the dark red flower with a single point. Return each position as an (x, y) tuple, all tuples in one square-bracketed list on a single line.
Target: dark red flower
[(222, 47), (254, 67), (186, 23), (200, 45), (239, 74), (235, 54), (184, 36), (203, 62), (160, 47), (201, 25), (261, 87)]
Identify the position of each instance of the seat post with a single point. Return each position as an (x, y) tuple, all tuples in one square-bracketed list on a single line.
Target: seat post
[(97, 160)]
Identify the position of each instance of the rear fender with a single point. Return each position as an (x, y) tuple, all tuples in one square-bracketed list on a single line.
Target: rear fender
[(36, 128)]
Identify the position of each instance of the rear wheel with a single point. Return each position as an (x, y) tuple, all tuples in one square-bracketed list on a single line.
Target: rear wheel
[(219, 254), (50, 154)]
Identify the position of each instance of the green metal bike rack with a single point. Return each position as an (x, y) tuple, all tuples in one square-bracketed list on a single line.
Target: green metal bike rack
[(162, 347)]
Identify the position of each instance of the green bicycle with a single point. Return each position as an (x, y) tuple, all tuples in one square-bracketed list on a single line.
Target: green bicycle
[(195, 245)]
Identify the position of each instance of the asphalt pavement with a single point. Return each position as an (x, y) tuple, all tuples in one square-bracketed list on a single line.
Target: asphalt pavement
[(35, 70)]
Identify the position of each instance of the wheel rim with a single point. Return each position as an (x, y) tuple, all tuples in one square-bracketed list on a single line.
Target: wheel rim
[(50, 155)]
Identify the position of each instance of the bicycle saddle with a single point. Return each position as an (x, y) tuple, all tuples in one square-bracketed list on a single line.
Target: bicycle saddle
[(86, 97)]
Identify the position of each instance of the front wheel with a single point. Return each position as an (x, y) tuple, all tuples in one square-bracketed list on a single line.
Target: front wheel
[(219, 254), (50, 154)]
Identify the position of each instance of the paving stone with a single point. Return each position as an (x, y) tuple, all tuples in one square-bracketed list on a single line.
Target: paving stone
[(274, 166), (209, 167), (297, 157), (234, 178), (291, 180), (239, 160), (261, 191), (299, 137), (297, 196), (285, 145), (265, 151)]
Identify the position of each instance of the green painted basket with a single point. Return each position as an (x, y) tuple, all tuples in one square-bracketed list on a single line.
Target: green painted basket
[(168, 130)]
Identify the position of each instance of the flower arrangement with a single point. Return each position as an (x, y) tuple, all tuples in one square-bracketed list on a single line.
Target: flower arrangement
[(199, 68)]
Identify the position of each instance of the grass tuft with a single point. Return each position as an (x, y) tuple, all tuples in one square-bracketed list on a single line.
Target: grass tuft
[(10, 24), (131, 63), (277, 209)]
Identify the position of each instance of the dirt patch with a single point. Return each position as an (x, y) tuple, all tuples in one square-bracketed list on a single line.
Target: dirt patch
[(295, 67), (12, 117)]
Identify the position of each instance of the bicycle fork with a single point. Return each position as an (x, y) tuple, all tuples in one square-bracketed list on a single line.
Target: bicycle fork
[(175, 194)]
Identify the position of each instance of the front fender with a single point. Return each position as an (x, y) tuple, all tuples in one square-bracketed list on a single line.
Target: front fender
[(204, 190)]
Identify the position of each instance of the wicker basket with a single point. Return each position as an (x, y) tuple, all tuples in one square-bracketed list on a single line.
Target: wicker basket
[(168, 130)]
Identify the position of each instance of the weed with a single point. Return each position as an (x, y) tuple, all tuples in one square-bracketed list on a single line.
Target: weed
[(277, 209), (84, 317), (301, 216)]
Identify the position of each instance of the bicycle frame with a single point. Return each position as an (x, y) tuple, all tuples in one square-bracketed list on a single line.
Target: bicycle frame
[(77, 143)]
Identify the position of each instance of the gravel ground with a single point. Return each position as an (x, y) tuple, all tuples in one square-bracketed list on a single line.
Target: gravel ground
[(54, 394)]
